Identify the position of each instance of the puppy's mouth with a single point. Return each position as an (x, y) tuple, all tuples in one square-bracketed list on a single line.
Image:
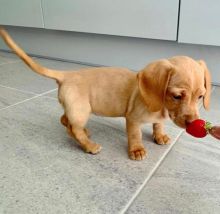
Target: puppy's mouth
[(180, 123)]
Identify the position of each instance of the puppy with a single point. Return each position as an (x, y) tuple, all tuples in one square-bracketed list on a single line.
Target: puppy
[(167, 88)]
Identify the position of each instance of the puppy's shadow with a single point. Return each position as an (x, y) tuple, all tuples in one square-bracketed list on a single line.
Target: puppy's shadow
[(147, 136)]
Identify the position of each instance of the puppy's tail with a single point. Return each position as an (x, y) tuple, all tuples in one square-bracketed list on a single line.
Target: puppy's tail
[(58, 76)]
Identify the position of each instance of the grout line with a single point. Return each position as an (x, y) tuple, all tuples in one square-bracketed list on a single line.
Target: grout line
[(155, 168), (23, 101), (15, 89), (6, 63), (19, 102), (52, 98), (150, 175)]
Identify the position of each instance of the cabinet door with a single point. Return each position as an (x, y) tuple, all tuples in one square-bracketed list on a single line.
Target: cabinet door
[(200, 22), (26, 13), (142, 18)]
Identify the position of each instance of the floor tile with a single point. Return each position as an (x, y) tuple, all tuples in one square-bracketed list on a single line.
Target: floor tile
[(43, 171), (19, 76), (188, 181), (10, 96), (7, 58), (52, 94)]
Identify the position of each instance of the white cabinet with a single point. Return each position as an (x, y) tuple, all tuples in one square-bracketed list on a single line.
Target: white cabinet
[(142, 18), (200, 22), (26, 13)]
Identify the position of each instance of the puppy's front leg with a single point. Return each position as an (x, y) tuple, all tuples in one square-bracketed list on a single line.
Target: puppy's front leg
[(136, 150), (158, 134)]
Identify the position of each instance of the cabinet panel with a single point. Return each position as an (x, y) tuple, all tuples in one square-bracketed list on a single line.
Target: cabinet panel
[(142, 18), (200, 22), (26, 13)]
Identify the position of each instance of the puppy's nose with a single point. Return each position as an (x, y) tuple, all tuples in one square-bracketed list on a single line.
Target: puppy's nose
[(190, 118), (187, 122)]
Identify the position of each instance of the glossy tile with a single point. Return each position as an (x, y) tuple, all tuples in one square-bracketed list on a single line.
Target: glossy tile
[(42, 170), (7, 58), (188, 181), (18, 75), (52, 94), (10, 96)]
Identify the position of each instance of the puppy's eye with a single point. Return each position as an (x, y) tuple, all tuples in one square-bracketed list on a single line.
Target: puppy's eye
[(177, 97), (200, 96)]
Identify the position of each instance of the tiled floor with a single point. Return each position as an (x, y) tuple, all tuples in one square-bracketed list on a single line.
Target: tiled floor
[(43, 171)]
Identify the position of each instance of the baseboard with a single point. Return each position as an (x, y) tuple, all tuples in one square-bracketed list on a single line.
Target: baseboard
[(104, 50)]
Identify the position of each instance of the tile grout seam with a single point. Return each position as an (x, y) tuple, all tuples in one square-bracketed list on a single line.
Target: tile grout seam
[(26, 100), (15, 89), (52, 98), (155, 168), (150, 175), (12, 62)]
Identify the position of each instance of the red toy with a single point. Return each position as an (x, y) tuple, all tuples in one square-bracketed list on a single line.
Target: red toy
[(200, 128)]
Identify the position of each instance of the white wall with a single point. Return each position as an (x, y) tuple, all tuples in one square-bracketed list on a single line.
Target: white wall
[(97, 49)]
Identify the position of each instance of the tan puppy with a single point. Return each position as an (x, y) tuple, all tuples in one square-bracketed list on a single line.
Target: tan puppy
[(165, 88)]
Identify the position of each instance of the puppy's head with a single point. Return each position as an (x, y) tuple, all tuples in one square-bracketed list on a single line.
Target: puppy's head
[(177, 85)]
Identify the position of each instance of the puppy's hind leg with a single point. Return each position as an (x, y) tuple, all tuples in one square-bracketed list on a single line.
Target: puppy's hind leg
[(77, 119), (65, 122)]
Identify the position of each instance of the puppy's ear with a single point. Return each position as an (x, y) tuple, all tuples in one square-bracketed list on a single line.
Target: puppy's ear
[(207, 76), (153, 82)]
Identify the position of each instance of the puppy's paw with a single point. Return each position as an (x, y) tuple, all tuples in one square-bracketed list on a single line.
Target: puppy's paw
[(138, 153), (93, 148), (161, 139)]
